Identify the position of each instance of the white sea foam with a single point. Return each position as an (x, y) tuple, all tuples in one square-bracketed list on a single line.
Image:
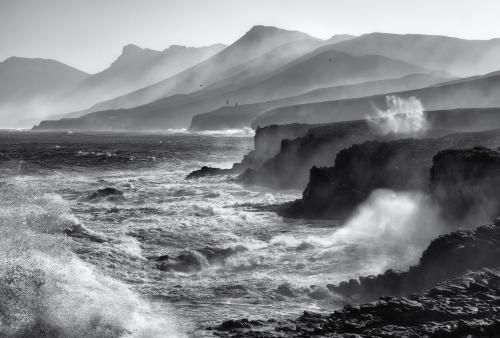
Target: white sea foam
[(244, 132), (46, 290), (393, 227)]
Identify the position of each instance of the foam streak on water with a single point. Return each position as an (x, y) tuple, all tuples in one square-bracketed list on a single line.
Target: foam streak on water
[(110, 276)]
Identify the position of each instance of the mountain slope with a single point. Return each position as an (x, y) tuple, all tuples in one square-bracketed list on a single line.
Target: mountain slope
[(475, 92), (231, 117), (322, 67), (457, 56), (326, 68), (26, 85), (257, 41), (135, 68)]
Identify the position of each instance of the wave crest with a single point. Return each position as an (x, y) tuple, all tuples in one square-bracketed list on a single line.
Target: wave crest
[(47, 291)]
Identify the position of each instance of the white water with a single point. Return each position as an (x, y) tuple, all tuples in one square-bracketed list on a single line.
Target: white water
[(402, 116), (45, 287)]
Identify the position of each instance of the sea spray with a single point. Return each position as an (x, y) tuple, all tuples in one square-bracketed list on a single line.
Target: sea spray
[(47, 291), (402, 116), (390, 229)]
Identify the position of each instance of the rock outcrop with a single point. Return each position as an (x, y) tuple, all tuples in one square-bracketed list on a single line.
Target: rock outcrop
[(108, 192), (466, 183), (208, 171), (289, 167), (196, 260), (284, 154), (446, 257), (400, 165), (267, 143)]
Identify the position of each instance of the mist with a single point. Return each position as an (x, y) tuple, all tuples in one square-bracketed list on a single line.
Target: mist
[(47, 288), (402, 116), (389, 229)]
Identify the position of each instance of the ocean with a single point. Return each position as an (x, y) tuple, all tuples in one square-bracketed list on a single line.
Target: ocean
[(158, 255)]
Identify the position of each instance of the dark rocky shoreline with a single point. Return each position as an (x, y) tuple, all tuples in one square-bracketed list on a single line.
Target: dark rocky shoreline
[(454, 290), (460, 272)]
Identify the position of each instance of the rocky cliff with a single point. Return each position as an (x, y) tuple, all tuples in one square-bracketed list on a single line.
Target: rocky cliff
[(289, 168), (401, 165), (466, 183), (290, 165), (267, 143)]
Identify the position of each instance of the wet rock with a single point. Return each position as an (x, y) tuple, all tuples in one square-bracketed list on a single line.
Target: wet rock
[(104, 193), (454, 291), (195, 260), (446, 257), (187, 262), (230, 325), (80, 231), (208, 171), (161, 258), (286, 290), (461, 313)]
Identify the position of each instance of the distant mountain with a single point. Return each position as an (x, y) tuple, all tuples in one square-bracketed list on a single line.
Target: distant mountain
[(27, 85), (457, 56), (135, 68), (257, 41), (320, 68), (339, 38), (231, 117), (474, 92)]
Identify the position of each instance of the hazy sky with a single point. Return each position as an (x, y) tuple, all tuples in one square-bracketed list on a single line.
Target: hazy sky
[(89, 34)]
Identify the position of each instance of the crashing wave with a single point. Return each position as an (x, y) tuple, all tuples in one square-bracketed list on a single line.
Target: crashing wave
[(402, 116), (47, 291)]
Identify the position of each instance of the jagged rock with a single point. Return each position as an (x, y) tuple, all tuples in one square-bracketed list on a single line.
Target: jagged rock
[(400, 165), (460, 272), (230, 325), (208, 171), (446, 257), (196, 260), (267, 143), (105, 192), (466, 183), (289, 168), (284, 154)]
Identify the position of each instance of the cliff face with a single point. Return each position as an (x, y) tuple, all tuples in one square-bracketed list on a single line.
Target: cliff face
[(466, 183), (289, 166), (267, 143), (399, 165), (334, 192), (284, 154), (268, 140)]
